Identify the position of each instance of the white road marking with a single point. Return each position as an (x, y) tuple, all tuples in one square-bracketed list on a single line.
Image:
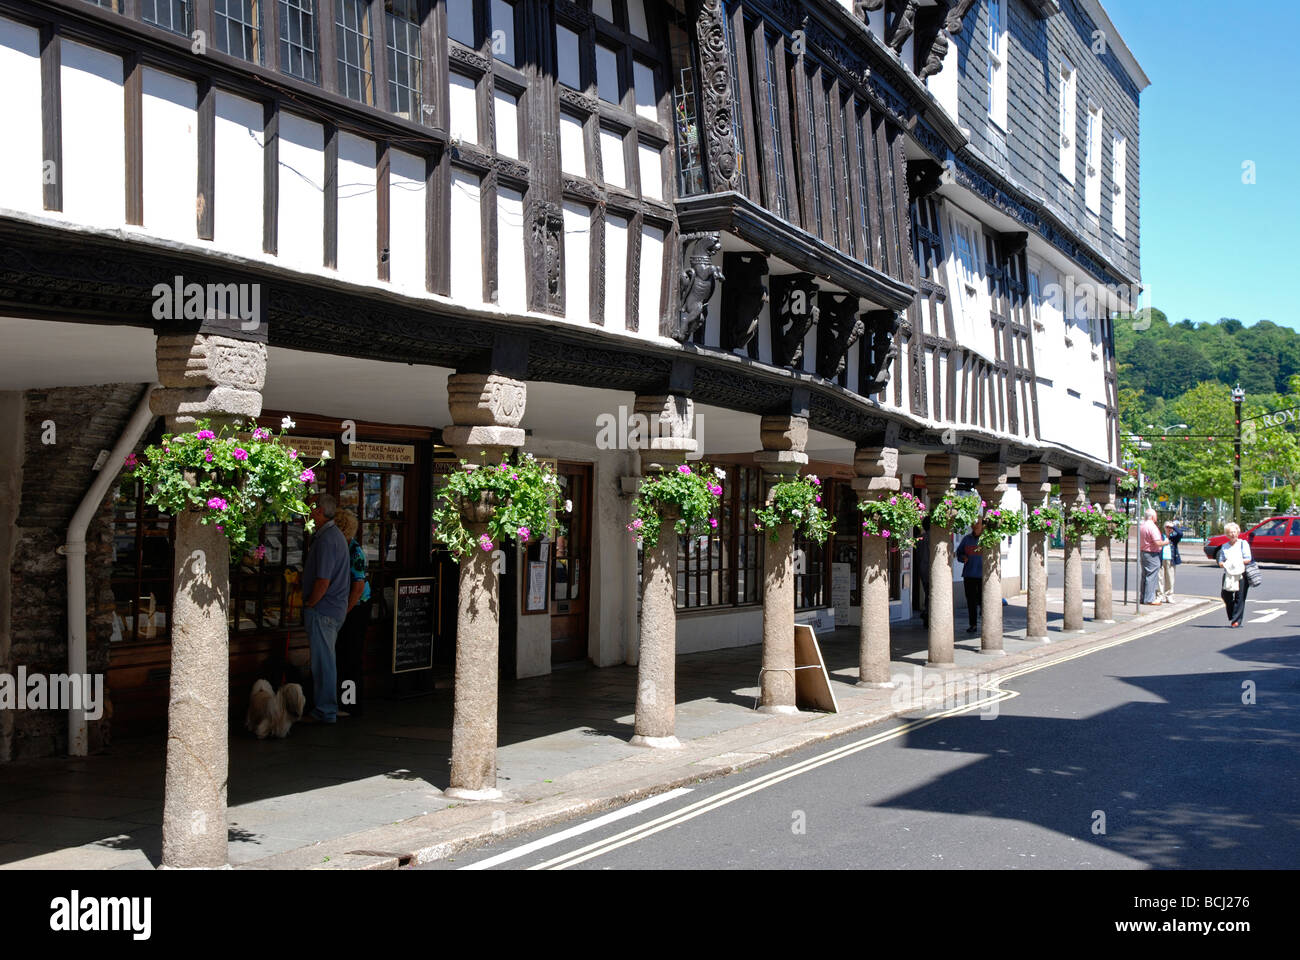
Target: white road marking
[(708, 804), (1267, 616), (582, 828)]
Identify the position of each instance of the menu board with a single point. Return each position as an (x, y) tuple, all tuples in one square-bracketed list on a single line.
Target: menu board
[(414, 623)]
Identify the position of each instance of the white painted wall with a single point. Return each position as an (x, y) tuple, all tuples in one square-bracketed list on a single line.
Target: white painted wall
[(171, 154), (407, 256), (301, 221), (358, 208), (577, 262), (239, 178), (512, 273), (611, 158), (466, 238), (506, 115), (94, 143), (573, 158), (21, 170), (462, 123)]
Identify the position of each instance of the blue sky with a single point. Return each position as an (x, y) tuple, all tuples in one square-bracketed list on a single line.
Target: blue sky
[(1225, 89)]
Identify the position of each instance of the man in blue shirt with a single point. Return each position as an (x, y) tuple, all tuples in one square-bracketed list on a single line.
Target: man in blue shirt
[(972, 572), (326, 583)]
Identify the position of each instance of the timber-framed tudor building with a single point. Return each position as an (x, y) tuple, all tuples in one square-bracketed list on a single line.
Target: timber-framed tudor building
[(846, 238)]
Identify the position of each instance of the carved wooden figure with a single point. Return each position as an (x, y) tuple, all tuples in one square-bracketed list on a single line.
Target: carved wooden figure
[(793, 316), (743, 294), (838, 329), (698, 281)]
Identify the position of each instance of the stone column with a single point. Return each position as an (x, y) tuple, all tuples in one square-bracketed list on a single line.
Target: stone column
[(219, 378), (992, 485), (670, 420), (940, 481), (877, 469), (486, 410), (1035, 485), (784, 439), (1103, 492), (1072, 497)]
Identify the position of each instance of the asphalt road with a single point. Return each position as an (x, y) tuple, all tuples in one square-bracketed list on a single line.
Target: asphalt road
[(1178, 749)]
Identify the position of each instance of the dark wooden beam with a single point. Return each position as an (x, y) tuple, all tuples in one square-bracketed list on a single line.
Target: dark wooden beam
[(207, 159), (51, 118), (133, 115), (383, 219), (331, 238), (270, 176)]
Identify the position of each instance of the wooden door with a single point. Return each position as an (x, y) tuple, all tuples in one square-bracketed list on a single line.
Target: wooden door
[(570, 564)]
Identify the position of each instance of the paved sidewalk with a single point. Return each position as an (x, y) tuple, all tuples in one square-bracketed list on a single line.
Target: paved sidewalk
[(367, 793)]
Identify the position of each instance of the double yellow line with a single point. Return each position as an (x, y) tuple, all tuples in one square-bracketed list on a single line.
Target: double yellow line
[(709, 804)]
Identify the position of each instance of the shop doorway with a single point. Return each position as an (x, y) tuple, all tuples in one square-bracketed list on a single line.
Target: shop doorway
[(570, 572)]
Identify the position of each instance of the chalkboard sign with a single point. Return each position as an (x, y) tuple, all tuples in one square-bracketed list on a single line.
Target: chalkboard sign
[(414, 623)]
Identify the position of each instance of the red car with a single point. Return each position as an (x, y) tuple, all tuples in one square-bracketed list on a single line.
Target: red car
[(1276, 539)]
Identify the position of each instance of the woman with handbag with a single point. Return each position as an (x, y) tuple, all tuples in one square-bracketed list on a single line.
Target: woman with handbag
[(1234, 558)]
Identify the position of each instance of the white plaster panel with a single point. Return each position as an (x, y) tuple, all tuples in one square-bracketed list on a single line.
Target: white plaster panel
[(407, 256), (615, 272), (463, 108), (506, 114), (466, 238), (171, 154), (573, 155), (94, 143), (358, 208), (611, 158), (21, 167), (643, 85), (239, 177), (650, 280), (512, 273), (302, 193), (577, 262), (652, 171)]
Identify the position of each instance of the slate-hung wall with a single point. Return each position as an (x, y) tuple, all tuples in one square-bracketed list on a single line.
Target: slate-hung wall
[(1029, 151)]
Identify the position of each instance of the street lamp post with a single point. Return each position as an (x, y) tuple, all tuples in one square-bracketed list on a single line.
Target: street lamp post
[(1238, 395)]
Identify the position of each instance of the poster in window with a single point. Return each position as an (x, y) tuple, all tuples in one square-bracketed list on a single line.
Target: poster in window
[(841, 591)]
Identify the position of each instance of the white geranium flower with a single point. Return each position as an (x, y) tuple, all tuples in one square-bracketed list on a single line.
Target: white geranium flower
[(720, 473), (568, 506), (797, 512), (324, 455), (287, 424)]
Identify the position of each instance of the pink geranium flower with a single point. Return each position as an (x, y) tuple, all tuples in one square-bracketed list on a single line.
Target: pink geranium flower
[(307, 476), (240, 453), (206, 435), (683, 469), (130, 461), (217, 503), (524, 534)]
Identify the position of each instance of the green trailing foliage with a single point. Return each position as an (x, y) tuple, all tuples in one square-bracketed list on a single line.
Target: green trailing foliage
[(795, 502), (895, 517), (521, 497), (1087, 520), (693, 493), (237, 479)]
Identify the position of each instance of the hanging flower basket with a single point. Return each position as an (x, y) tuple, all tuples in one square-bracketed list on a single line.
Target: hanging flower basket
[(1089, 520), (693, 492), (1117, 525), (1044, 519), (516, 502), (795, 502), (999, 523), (954, 512), (894, 518), (237, 483)]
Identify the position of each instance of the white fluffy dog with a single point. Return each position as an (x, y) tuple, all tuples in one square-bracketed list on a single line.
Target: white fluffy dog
[(274, 713)]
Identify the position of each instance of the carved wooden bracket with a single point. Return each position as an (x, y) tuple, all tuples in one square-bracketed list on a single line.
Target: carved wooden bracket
[(837, 330), (743, 294), (697, 282), (794, 312), (882, 326)]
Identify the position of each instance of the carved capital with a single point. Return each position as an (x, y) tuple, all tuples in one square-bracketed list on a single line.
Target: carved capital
[(875, 461), (670, 420), (784, 433), (486, 400), (208, 377)]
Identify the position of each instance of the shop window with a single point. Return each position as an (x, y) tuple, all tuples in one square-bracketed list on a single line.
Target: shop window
[(142, 566), (724, 567)]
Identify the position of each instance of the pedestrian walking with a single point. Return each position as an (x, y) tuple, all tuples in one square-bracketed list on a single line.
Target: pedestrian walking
[(352, 635), (1233, 557), (1150, 543), (1169, 561), (972, 572), (326, 583)]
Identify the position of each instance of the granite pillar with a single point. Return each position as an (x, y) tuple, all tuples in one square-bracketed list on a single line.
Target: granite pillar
[(877, 476)]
